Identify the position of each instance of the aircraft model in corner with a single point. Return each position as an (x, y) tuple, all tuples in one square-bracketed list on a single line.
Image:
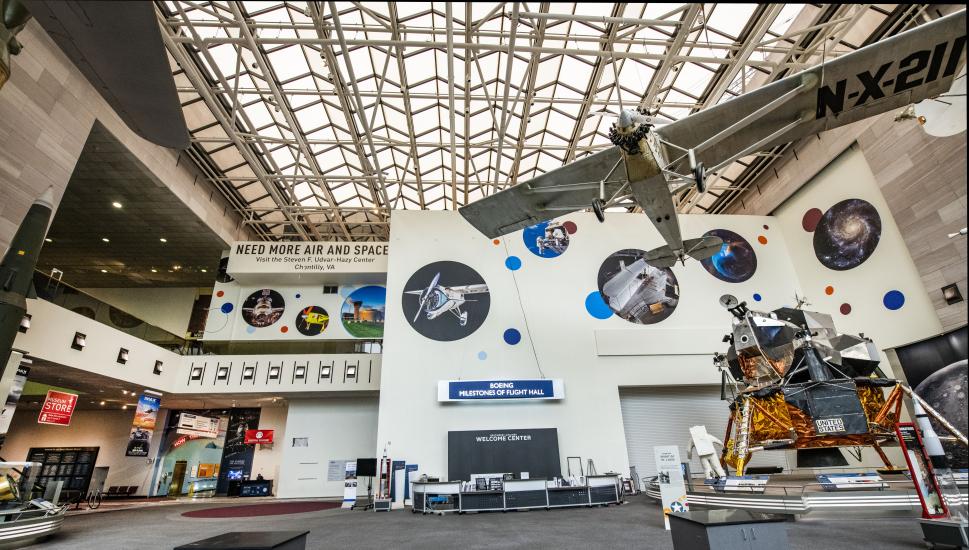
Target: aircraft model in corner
[(436, 300), (652, 165)]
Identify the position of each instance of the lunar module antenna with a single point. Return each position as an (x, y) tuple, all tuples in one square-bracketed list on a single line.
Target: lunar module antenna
[(800, 301)]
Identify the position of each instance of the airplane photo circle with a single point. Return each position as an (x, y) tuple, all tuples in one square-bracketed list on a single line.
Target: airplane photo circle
[(635, 290), (446, 301), (311, 320), (263, 308)]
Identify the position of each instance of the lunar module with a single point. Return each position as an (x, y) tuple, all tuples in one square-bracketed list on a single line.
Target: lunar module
[(799, 384)]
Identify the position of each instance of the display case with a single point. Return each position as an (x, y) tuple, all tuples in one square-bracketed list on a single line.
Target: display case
[(437, 496), (482, 501), (603, 489), (522, 494)]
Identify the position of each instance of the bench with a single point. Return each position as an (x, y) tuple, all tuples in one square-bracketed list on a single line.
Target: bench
[(251, 540)]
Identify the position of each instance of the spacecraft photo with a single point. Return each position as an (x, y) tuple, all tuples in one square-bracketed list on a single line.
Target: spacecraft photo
[(795, 382)]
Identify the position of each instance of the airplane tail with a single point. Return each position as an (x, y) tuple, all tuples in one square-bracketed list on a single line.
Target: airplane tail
[(698, 249)]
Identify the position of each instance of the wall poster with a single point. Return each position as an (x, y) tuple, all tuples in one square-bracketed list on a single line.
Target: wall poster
[(58, 408), (143, 426)]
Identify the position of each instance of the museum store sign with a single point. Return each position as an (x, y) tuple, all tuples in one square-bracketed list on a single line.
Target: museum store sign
[(248, 260)]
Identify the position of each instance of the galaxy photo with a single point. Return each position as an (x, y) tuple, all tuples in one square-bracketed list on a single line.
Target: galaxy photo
[(847, 234), (635, 290), (735, 262), (546, 239), (263, 308)]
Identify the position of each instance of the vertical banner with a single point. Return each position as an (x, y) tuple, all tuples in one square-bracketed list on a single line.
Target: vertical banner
[(410, 472), (144, 424), (16, 388), (236, 455), (58, 408), (397, 483), (671, 486), (350, 484)]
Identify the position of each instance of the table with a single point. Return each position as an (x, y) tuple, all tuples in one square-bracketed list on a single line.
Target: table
[(251, 540), (727, 530)]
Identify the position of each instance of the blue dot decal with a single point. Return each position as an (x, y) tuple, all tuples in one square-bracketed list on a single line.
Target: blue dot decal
[(250, 330), (512, 336), (758, 297), (226, 308), (894, 300), (596, 306), (482, 355), (297, 295), (513, 263)]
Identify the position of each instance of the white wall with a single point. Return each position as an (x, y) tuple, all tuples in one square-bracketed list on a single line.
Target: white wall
[(890, 266), (266, 459), (108, 430), (553, 293), (166, 308), (337, 428)]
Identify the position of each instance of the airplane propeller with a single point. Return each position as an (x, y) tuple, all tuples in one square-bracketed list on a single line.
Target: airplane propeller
[(426, 295)]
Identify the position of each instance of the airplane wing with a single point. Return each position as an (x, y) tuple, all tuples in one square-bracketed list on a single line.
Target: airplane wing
[(566, 189), (889, 74), (469, 289), (118, 47)]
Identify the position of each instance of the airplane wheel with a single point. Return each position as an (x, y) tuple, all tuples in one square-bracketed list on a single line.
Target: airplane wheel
[(597, 205), (700, 175)]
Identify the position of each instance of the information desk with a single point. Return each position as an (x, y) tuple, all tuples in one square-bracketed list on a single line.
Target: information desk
[(518, 494)]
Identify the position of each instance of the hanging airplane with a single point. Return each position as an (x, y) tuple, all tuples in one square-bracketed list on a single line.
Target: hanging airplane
[(652, 164), (436, 300)]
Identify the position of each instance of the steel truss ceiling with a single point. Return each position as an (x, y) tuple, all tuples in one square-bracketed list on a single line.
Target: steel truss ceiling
[(317, 119)]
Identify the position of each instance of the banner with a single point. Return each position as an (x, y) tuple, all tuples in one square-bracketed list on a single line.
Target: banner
[(672, 488), (13, 396), (261, 437), (193, 424), (144, 424), (349, 484), (497, 390), (256, 260), (58, 408)]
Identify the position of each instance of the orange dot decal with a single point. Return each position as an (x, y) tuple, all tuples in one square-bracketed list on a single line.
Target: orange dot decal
[(284, 329), (829, 290), (496, 241), (220, 294), (762, 239)]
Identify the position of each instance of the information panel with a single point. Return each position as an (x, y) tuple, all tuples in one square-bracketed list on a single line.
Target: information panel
[(193, 424), (500, 390), (249, 260)]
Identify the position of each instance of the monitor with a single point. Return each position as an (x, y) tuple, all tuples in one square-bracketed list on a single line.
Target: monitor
[(234, 474), (366, 467)]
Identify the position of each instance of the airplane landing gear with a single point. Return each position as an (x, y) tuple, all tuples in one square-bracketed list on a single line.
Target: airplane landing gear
[(597, 208), (700, 175)]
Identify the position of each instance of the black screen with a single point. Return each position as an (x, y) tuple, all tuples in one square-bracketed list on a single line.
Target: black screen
[(366, 467), (500, 451)]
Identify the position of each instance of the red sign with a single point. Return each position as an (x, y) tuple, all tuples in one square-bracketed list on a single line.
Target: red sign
[(58, 408), (258, 436)]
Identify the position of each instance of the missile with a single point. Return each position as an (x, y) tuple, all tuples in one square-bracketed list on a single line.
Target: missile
[(17, 271), (930, 439)]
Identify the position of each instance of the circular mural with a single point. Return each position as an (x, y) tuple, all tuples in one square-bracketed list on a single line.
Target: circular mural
[(946, 390), (735, 262), (121, 319), (363, 312), (263, 308), (222, 276), (847, 234), (635, 290), (85, 311), (312, 320), (446, 301), (547, 239)]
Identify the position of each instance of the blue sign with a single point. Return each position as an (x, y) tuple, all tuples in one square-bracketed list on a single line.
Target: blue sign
[(484, 390)]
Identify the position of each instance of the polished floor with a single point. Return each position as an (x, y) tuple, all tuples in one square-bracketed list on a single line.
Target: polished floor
[(637, 524)]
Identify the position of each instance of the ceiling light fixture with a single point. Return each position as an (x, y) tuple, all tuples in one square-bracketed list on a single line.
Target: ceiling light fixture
[(205, 271), (153, 270), (102, 403), (116, 204), (105, 239), (163, 239), (104, 271), (48, 240)]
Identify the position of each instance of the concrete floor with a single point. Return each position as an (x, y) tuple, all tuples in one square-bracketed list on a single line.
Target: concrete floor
[(637, 524)]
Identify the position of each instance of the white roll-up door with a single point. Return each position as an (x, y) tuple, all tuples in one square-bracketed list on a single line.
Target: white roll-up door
[(662, 415)]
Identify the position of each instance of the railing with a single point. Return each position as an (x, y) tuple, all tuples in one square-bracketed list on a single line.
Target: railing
[(70, 298)]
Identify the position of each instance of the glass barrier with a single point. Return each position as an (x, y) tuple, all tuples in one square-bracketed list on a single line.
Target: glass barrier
[(68, 297)]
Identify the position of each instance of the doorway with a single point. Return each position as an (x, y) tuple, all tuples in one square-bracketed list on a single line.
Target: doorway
[(178, 478)]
